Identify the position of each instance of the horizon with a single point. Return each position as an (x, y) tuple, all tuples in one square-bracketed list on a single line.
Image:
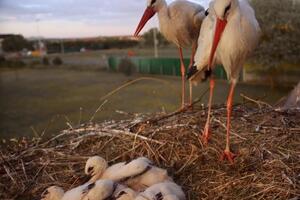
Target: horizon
[(52, 19)]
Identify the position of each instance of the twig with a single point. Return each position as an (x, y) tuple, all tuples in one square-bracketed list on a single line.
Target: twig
[(34, 132), (8, 173), (69, 123), (132, 82), (24, 170), (177, 112), (258, 102), (224, 126), (99, 108), (80, 115), (188, 161)]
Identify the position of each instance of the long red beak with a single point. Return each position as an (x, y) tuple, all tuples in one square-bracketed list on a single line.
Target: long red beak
[(220, 26), (148, 14)]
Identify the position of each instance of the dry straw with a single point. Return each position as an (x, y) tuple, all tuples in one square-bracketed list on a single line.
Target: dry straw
[(267, 167)]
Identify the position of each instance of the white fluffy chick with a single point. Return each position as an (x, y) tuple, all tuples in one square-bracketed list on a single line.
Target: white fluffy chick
[(162, 191), (137, 174)]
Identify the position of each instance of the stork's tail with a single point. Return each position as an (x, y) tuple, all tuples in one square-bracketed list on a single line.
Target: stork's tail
[(195, 76)]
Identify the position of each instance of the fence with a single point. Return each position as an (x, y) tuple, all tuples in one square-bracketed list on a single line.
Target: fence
[(159, 66)]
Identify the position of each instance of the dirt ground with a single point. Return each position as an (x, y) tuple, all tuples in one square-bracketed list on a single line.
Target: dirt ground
[(267, 143)]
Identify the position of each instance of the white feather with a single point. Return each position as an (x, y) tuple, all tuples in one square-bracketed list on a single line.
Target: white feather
[(168, 190), (53, 193), (107, 189), (239, 39), (128, 172), (75, 193), (180, 21)]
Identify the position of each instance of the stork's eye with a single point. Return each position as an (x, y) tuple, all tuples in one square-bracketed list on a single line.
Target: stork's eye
[(91, 186), (227, 9), (153, 2), (90, 169), (159, 196), (45, 193), (121, 194), (206, 12)]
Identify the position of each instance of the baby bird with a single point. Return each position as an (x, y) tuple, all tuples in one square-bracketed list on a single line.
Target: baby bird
[(137, 174), (100, 190), (162, 191), (57, 193), (106, 190), (53, 193)]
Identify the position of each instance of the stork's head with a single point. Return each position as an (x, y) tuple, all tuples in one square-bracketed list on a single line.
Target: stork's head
[(222, 10), (53, 193), (95, 167), (152, 7)]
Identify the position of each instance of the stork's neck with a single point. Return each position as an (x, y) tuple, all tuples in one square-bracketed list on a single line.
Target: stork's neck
[(160, 5), (162, 11)]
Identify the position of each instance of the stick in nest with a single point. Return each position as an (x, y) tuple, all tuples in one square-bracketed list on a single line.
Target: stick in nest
[(177, 112), (258, 102)]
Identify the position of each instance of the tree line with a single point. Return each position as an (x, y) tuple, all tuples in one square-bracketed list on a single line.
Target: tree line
[(278, 19), (280, 24)]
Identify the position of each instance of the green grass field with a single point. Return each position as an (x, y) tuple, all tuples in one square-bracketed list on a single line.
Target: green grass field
[(34, 100)]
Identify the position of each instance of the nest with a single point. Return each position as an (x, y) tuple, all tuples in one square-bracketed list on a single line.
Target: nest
[(267, 143)]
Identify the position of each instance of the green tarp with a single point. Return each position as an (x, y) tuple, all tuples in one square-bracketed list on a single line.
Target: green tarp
[(161, 66)]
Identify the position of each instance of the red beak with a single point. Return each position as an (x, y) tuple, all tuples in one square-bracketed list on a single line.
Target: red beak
[(220, 26), (148, 14)]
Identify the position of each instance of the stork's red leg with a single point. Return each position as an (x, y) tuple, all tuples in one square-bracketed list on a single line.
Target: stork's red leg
[(182, 67), (194, 47), (227, 153), (206, 131)]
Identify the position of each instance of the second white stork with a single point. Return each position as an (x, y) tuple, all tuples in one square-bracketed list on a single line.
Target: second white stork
[(229, 34), (180, 24)]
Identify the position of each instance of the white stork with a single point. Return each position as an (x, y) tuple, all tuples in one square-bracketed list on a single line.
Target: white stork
[(180, 23), (229, 34)]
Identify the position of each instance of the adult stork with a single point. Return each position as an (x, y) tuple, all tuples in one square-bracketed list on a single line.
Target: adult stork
[(228, 36), (180, 23)]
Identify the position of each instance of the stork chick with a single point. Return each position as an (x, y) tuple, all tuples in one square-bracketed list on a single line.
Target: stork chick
[(53, 193), (162, 191), (57, 193), (138, 174), (100, 190), (107, 189)]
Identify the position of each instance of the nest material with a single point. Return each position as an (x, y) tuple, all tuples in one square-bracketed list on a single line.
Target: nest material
[(267, 143)]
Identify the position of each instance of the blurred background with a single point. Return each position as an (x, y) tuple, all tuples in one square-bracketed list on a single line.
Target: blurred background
[(59, 59)]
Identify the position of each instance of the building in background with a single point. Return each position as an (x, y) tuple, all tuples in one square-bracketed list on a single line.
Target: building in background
[(40, 49)]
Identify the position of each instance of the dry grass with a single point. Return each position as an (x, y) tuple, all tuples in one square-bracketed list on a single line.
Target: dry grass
[(267, 167)]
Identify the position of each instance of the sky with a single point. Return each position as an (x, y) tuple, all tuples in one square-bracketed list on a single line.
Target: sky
[(73, 18)]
